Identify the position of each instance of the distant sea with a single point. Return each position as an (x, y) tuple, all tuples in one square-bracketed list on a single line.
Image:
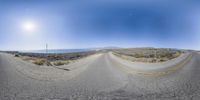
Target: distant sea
[(58, 51)]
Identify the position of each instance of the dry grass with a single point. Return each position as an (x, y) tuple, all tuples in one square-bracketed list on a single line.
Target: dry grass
[(59, 63), (149, 55), (42, 62), (52, 59), (39, 61)]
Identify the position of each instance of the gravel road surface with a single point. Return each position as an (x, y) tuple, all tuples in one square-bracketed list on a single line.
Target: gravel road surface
[(97, 77)]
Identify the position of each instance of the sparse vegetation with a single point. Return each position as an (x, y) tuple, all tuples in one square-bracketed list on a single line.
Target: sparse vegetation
[(150, 55), (42, 62), (59, 63), (16, 55), (39, 61), (52, 59)]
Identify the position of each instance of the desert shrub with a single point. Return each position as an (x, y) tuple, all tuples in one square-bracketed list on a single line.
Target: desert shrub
[(162, 60), (137, 55), (178, 53), (154, 60), (48, 63), (151, 56), (59, 63), (39, 61), (16, 55)]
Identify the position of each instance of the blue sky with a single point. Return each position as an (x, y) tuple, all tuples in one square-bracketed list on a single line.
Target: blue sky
[(100, 23)]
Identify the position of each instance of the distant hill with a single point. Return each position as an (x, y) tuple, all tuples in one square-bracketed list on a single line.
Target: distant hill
[(101, 48)]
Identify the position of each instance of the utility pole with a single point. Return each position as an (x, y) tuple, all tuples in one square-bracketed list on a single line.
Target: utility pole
[(46, 48), (155, 53)]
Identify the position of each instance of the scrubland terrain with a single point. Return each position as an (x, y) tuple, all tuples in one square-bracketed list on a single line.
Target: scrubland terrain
[(148, 55), (52, 59)]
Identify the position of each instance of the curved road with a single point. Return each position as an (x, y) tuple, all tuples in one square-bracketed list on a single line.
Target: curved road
[(97, 77)]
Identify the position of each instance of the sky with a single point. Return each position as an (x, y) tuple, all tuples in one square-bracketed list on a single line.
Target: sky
[(71, 24)]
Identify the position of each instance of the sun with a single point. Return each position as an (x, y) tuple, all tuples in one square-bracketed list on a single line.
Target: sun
[(29, 26)]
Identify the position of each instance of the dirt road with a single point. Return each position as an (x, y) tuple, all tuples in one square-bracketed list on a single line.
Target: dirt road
[(98, 77)]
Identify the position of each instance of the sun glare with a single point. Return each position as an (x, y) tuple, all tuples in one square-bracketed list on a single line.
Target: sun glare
[(29, 26)]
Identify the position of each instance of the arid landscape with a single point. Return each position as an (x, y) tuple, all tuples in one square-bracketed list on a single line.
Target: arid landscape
[(148, 55), (99, 50), (52, 59), (102, 75)]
